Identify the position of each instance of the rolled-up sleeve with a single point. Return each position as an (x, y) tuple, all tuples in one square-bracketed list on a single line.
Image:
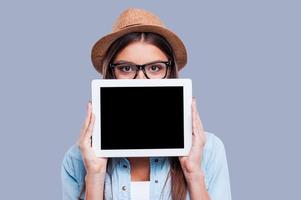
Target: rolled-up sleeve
[(70, 182), (218, 173)]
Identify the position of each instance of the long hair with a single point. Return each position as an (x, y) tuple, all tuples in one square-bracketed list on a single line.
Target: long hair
[(178, 182)]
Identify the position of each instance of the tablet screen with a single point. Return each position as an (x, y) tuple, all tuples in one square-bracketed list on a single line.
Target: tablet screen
[(141, 117)]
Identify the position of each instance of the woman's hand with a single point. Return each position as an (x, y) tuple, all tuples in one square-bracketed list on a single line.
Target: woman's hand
[(191, 164), (94, 165)]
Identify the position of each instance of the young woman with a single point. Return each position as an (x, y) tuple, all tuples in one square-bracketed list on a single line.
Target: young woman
[(141, 47)]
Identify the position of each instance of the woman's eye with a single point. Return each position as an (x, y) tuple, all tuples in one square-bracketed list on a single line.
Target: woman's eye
[(126, 68), (154, 68)]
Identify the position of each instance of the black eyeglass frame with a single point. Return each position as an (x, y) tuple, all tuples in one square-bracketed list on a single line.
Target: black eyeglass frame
[(141, 67)]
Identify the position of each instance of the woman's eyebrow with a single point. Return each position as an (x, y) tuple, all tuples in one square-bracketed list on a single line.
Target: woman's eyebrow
[(124, 61)]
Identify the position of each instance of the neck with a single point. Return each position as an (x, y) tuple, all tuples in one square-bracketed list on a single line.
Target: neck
[(140, 168)]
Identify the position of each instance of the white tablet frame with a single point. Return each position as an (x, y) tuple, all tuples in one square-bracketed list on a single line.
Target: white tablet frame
[(187, 100)]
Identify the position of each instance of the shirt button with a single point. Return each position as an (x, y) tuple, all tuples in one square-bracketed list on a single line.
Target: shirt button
[(156, 181), (124, 188)]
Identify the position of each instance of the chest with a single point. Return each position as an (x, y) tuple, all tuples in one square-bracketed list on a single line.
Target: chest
[(118, 183)]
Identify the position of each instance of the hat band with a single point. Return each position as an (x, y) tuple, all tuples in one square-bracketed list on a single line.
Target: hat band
[(130, 25)]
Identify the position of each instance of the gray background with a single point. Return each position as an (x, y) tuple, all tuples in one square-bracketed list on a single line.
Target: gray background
[(244, 61)]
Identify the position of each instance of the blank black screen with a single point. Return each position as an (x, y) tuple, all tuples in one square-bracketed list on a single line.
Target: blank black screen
[(141, 117)]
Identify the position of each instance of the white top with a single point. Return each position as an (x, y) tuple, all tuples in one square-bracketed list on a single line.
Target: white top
[(140, 190)]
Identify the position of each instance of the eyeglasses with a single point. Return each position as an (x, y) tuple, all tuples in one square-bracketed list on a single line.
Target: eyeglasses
[(153, 70)]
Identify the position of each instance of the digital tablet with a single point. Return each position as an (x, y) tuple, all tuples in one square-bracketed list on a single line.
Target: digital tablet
[(142, 117)]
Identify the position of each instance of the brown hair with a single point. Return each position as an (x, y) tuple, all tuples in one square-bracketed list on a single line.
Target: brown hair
[(178, 182)]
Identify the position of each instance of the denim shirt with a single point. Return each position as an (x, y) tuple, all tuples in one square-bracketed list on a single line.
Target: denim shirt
[(118, 177)]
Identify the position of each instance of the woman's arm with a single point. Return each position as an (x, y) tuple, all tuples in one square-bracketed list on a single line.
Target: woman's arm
[(191, 164), (70, 180), (197, 187), (217, 172), (95, 186), (95, 166)]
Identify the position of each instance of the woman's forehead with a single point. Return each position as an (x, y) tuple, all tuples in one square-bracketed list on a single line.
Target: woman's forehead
[(140, 53)]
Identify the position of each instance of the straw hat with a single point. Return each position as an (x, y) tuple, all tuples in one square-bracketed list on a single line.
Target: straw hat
[(137, 20)]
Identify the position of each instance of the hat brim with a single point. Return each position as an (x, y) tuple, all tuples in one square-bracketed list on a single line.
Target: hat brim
[(102, 45)]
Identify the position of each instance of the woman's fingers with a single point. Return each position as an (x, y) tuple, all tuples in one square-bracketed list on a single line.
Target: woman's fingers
[(198, 120), (92, 163), (198, 130), (88, 117), (86, 122), (89, 130), (199, 123), (194, 118), (196, 115)]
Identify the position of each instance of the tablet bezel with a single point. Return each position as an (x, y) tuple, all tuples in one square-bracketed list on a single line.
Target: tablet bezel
[(187, 100)]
